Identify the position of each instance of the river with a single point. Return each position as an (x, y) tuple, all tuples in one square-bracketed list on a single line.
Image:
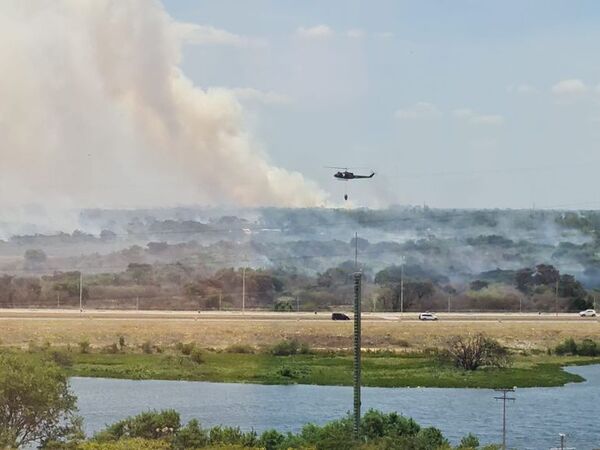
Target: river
[(533, 420)]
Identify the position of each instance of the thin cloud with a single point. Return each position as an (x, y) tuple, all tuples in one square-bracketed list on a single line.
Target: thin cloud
[(356, 33), (487, 119), (316, 32), (194, 34), (385, 34), (570, 87), (418, 111), (469, 116), (522, 89)]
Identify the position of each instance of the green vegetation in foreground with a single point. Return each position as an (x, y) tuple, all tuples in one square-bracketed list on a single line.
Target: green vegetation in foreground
[(163, 430), (379, 370)]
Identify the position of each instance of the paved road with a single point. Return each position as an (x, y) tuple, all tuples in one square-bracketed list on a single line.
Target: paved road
[(274, 316)]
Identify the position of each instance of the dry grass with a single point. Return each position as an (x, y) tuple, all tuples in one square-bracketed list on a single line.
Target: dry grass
[(258, 333)]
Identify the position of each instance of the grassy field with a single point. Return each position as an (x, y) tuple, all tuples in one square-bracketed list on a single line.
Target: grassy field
[(398, 363), (319, 334), (324, 369)]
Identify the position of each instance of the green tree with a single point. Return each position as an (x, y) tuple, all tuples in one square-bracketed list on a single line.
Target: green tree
[(36, 404), (469, 441)]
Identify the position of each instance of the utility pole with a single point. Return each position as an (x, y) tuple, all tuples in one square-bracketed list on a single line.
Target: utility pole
[(448, 303), (357, 349), (220, 299), (80, 291), (297, 304), (556, 299), (58, 300), (402, 288), (244, 289), (504, 399), (356, 251)]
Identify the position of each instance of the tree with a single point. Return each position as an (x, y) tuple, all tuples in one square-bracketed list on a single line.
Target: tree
[(545, 274), (34, 259), (569, 287), (140, 273), (475, 350), (35, 403), (478, 285)]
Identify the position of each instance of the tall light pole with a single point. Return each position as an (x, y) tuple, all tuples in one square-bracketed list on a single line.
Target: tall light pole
[(556, 299), (402, 288), (504, 399), (80, 291), (244, 289)]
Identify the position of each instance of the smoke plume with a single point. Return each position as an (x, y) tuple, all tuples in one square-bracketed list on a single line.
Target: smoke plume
[(95, 112)]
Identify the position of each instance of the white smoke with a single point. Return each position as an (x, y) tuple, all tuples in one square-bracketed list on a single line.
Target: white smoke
[(95, 112)]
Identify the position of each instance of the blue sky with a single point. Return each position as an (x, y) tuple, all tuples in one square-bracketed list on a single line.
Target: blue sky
[(452, 103)]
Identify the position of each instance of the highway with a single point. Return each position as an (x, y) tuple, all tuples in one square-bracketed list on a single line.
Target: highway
[(252, 315)]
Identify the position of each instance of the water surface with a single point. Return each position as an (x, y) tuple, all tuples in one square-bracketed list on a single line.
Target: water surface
[(534, 419)]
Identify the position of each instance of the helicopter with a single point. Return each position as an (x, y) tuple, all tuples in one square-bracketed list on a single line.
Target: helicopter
[(346, 175)]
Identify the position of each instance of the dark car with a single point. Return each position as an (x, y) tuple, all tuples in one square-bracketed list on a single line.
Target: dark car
[(339, 316)]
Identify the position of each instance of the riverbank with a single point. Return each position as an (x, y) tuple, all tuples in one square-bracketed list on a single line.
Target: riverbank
[(379, 370)]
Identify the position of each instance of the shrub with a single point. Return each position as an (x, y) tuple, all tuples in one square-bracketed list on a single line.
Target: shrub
[(147, 347), (147, 425), (121, 343), (287, 372), (400, 343), (126, 444), (375, 424), (84, 346), (431, 438), (566, 347), (473, 351), (304, 349), (287, 348), (469, 441), (587, 347), (196, 356), (232, 436), (271, 440), (62, 359), (112, 349), (190, 436), (185, 349), (240, 348)]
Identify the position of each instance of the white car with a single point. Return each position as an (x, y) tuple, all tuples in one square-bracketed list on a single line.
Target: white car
[(427, 316), (588, 313)]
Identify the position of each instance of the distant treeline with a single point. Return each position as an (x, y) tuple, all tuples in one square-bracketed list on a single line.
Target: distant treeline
[(410, 287)]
